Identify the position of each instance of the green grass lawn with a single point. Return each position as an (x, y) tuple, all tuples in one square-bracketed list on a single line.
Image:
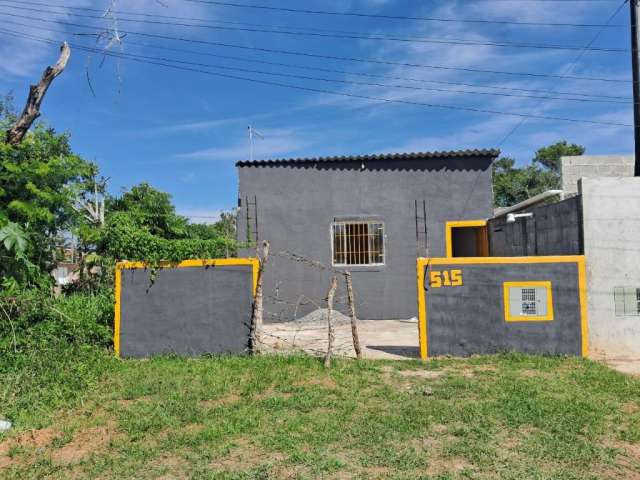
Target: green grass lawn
[(508, 417)]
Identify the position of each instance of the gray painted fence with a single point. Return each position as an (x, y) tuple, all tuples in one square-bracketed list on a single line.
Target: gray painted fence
[(185, 310), (470, 319)]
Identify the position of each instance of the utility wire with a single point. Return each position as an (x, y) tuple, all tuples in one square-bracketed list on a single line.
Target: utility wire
[(391, 17), (322, 56), (569, 68), (431, 19), (345, 72), (438, 41), (330, 92), (350, 82)]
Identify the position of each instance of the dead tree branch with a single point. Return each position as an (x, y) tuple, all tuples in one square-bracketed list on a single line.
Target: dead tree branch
[(256, 318), (352, 311), (332, 291), (36, 94)]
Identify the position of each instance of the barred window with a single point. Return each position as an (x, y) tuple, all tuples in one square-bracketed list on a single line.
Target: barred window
[(358, 243)]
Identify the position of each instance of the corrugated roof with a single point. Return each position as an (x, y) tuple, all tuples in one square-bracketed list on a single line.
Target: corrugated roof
[(382, 156)]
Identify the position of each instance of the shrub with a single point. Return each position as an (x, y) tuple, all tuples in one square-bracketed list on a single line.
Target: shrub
[(52, 350)]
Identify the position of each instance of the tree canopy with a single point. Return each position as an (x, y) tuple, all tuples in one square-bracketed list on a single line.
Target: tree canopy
[(513, 184)]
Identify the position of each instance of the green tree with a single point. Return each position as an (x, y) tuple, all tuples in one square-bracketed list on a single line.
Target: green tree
[(549, 157), (150, 209), (39, 181), (512, 184)]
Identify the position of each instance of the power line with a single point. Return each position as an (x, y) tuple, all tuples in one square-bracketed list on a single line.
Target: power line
[(327, 57), (217, 21), (362, 74), (335, 93), (431, 19), (350, 82), (570, 67), (390, 17), (438, 41)]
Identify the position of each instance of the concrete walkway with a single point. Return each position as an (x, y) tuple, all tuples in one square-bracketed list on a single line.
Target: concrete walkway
[(391, 339)]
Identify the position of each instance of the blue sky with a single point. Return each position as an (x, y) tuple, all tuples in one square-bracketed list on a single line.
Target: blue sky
[(183, 131)]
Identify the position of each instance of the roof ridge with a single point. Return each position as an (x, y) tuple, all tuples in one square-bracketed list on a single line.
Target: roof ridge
[(484, 152)]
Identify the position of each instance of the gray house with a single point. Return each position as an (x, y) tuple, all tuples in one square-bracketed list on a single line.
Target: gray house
[(372, 214)]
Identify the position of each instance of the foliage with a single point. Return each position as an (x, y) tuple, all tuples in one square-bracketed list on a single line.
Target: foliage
[(52, 348), (549, 157), (39, 180), (500, 417), (123, 239), (512, 185), (15, 267), (151, 210)]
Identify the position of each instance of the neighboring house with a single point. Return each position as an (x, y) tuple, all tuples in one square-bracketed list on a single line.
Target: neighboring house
[(66, 269), (365, 214), (573, 168)]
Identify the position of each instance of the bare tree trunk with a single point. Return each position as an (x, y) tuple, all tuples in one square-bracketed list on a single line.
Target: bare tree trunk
[(256, 318), (36, 94), (354, 319), (332, 291)]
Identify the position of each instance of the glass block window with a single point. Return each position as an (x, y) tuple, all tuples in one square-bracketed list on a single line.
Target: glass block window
[(626, 300), (528, 301)]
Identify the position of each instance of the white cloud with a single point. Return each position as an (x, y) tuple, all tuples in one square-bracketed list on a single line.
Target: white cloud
[(277, 143)]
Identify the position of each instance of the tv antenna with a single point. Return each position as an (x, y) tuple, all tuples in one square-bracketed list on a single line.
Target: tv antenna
[(253, 133)]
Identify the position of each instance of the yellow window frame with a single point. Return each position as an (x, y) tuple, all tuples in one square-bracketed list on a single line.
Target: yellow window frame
[(528, 318)]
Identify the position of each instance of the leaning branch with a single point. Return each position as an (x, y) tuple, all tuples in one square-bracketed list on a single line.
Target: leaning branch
[(36, 94)]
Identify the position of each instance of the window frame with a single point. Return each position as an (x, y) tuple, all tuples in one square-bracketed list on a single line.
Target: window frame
[(369, 221), (506, 286)]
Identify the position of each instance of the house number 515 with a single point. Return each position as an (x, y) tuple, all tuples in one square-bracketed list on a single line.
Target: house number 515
[(445, 278)]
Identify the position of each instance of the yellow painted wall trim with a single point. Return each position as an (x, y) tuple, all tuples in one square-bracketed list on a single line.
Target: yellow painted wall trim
[(523, 318), (423, 262), (450, 225), (209, 262)]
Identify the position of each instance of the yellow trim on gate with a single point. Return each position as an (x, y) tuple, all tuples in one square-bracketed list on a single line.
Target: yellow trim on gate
[(522, 318), (584, 319), (422, 303), (116, 320), (450, 225), (209, 262), (422, 309)]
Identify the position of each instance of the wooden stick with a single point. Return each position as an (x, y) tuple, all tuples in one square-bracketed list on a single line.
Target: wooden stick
[(354, 319), (256, 318), (332, 291), (36, 94)]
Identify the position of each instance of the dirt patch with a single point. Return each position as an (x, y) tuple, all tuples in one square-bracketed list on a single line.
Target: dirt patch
[(441, 466), (629, 407), (245, 455), (133, 401), (427, 374), (326, 382), (216, 402), (84, 443), (33, 439)]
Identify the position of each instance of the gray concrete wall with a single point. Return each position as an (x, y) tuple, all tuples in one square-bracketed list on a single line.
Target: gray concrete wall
[(554, 229), (187, 311), (298, 202), (575, 167), (611, 211), (469, 319)]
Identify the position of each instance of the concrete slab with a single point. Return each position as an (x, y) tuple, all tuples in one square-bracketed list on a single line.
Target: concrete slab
[(390, 339)]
